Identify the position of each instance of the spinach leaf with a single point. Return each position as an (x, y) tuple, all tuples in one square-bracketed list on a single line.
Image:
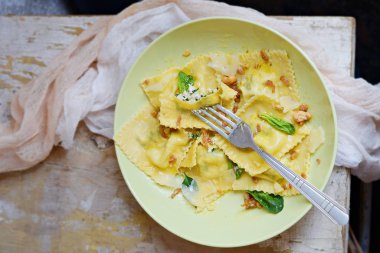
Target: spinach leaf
[(184, 81), (278, 123), (272, 203), (238, 171), (187, 180)]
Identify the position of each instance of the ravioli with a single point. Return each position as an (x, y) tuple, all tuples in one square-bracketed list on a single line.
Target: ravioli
[(277, 69), (227, 97), (212, 175), (165, 83), (190, 158), (273, 141), (142, 143), (171, 145), (172, 111)]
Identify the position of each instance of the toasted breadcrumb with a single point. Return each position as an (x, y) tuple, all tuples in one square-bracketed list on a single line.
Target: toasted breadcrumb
[(270, 84), (154, 114), (278, 107), (284, 80), (236, 99), (255, 180), (175, 192), (250, 202), (303, 107), (300, 117), (235, 108), (264, 55), (164, 131), (206, 140), (293, 154), (229, 80), (186, 53), (240, 70), (258, 128), (178, 122), (172, 160)]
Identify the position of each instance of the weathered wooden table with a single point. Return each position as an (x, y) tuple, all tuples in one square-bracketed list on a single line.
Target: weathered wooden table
[(77, 201)]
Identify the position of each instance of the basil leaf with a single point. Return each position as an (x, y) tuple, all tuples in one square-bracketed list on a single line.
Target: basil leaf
[(272, 203), (278, 123), (187, 180), (239, 172), (194, 136), (231, 164), (184, 81)]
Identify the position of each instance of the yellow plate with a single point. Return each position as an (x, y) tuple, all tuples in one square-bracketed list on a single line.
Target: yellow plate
[(229, 225)]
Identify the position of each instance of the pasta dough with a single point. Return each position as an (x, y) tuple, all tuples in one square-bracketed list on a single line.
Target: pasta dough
[(141, 141), (258, 71), (172, 144)]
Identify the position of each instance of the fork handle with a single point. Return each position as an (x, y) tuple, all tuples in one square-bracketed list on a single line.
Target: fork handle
[(335, 212)]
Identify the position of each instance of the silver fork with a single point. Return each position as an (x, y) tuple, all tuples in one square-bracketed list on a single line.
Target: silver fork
[(239, 134)]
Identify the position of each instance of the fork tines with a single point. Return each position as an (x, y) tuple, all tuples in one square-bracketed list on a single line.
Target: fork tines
[(224, 126)]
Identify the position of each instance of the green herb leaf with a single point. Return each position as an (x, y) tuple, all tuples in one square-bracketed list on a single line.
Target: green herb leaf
[(239, 172), (184, 81), (231, 164), (278, 123), (187, 180), (272, 203), (194, 136)]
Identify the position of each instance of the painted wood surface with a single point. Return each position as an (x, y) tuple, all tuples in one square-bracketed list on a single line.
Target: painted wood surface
[(77, 201)]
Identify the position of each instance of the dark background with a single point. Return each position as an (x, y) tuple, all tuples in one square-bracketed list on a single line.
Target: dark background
[(364, 221)]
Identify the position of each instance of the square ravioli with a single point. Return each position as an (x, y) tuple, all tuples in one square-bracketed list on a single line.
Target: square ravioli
[(155, 150), (271, 140)]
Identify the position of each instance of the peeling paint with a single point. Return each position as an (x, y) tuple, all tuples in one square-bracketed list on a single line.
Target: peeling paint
[(17, 77), (59, 46), (9, 63), (29, 73), (20, 78), (5, 85), (31, 60), (72, 30), (93, 235)]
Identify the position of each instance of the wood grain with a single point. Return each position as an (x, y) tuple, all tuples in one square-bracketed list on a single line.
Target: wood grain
[(77, 201)]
